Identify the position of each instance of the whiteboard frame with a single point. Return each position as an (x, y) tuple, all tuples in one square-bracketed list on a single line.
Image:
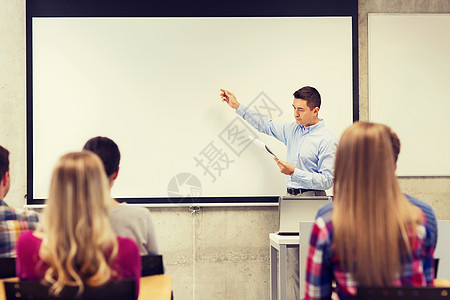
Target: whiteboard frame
[(141, 8)]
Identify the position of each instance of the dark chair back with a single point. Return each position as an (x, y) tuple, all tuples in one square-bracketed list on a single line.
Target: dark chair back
[(34, 290), (436, 265), (7, 267), (402, 293), (152, 265)]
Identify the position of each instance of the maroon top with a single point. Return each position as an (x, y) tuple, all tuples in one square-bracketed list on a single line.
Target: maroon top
[(29, 265)]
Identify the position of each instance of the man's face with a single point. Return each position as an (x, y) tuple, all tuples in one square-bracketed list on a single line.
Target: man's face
[(303, 114)]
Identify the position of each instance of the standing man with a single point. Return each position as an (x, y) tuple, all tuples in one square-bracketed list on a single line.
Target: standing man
[(12, 222), (310, 154), (310, 146), (126, 220)]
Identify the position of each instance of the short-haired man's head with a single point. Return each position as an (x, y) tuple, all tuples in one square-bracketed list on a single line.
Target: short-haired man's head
[(4, 162), (395, 143), (107, 150), (310, 94)]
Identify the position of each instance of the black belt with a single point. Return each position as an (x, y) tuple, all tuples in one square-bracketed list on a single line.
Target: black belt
[(300, 191)]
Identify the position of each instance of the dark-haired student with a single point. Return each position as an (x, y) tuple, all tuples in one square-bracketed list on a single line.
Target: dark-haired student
[(12, 222), (431, 223), (126, 220)]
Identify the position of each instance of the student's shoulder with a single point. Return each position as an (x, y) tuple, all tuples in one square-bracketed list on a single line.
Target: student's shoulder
[(30, 216), (28, 235), (28, 241), (416, 201), (135, 210), (127, 246), (10, 213), (425, 207), (325, 211)]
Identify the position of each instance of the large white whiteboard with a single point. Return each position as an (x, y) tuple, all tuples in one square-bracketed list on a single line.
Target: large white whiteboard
[(409, 87), (152, 85)]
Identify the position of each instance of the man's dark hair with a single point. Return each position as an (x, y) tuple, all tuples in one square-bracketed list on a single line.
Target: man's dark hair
[(108, 152), (4, 162), (395, 144), (310, 94)]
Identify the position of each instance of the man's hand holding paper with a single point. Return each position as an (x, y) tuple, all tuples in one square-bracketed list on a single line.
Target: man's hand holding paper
[(285, 167)]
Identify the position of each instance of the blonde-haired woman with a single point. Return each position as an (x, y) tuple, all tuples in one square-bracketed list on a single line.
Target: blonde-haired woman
[(76, 245), (371, 234)]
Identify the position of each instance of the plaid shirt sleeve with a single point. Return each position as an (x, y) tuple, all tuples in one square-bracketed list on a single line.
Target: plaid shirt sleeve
[(418, 270), (427, 249), (421, 266), (319, 272), (428, 263), (12, 224)]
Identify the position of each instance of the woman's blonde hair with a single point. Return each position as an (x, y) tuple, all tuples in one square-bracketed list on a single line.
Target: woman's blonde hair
[(79, 245), (372, 219)]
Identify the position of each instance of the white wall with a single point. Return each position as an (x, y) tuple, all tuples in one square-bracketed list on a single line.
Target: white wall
[(409, 75)]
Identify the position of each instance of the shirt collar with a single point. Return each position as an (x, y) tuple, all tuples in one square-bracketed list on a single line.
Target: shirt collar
[(3, 203), (312, 127)]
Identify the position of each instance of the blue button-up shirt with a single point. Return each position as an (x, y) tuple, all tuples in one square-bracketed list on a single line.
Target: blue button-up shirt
[(310, 150)]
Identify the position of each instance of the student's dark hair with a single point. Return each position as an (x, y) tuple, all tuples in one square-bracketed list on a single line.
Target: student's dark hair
[(395, 141), (107, 150), (4, 162), (310, 94)]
